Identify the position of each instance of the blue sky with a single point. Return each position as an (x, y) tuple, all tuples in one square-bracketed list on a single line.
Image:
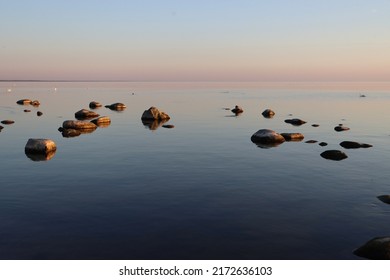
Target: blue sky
[(200, 40)]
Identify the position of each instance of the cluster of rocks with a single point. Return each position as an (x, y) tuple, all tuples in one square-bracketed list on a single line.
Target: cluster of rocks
[(153, 118), (34, 103)]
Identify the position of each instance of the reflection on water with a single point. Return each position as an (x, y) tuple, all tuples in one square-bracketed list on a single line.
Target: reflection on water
[(40, 156), (153, 124), (201, 190)]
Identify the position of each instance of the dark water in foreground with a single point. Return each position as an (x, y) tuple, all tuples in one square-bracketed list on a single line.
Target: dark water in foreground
[(201, 190)]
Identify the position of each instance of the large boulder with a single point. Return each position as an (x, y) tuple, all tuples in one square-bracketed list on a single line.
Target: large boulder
[(376, 249), (85, 114), (267, 138), (79, 125), (116, 106), (296, 122), (354, 145), (293, 136), (334, 155), (154, 114), (40, 149)]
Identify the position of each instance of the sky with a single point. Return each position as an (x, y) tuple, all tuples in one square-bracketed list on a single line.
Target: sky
[(202, 40)]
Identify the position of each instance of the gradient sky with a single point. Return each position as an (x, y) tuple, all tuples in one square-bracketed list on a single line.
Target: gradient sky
[(202, 40)]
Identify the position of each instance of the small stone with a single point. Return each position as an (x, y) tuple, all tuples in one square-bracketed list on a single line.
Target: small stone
[(85, 114), (35, 103), (24, 102), (323, 144), (94, 104), (315, 125), (26, 111), (40, 146), (376, 249), (340, 127), (334, 155), (266, 138), (354, 145), (7, 122), (311, 141), (39, 113), (101, 120), (79, 125), (116, 106), (168, 126), (296, 122), (70, 132), (268, 113), (293, 136), (237, 110)]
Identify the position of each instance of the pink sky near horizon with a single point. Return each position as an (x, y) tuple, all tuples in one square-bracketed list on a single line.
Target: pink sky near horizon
[(196, 41)]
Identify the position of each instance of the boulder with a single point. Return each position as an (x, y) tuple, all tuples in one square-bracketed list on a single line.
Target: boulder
[(237, 110), (85, 114), (24, 102), (334, 155), (340, 127), (69, 132), (384, 198), (293, 136), (7, 122), (154, 114), (40, 146), (268, 113), (102, 120), (94, 104), (376, 249), (296, 122), (266, 138), (79, 125), (116, 106), (354, 145)]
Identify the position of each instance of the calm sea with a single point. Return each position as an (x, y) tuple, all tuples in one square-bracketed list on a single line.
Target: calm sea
[(201, 190)]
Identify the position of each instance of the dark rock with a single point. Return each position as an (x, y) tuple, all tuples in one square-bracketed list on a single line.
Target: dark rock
[(154, 114), (168, 126), (315, 125), (70, 132), (354, 145), (376, 249), (39, 113), (7, 122), (116, 106), (340, 127), (266, 138), (293, 136), (296, 122), (384, 198), (40, 149), (237, 110), (334, 155), (79, 125), (24, 102), (1, 127), (94, 104), (85, 114), (27, 111), (323, 144), (268, 113), (311, 141)]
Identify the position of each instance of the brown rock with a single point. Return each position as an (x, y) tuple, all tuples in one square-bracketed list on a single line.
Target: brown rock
[(293, 136), (85, 114), (7, 122), (154, 114)]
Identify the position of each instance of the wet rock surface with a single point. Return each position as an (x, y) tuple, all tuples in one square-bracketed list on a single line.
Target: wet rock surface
[(79, 125), (95, 104), (334, 155), (154, 114), (266, 138), (104, 120), (40, 149), (85, 114), (293, 136), (237, 110)]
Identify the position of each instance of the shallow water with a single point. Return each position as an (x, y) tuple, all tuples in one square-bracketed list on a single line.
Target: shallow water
[(201, 190)]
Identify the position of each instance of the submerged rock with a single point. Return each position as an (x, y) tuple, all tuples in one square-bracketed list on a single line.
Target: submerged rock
[(311, 141), (24, 102), (116, 106), (40, 149), (39, 113), (354, 145), (168, 126), (384, 198), (376, 249), (94, 104), (340, 127), (268, 113), (101, 120), (7, 122), (293, 136), (323, 144), (237, 110), (296, 122), (334, 155), (153, 124), (79, 125), (266, 138), (315, 125), (85, 114), (154, 114)]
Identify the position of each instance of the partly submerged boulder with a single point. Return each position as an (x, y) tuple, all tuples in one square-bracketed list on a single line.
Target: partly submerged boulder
[(334, 155), (154, 114), (293, 136), (40, 149), (340, 127), (237, 110), (24, 102), (266, 138), (376, 249), (102, 121), (79, 125), (354, 145), (296, 122), (268, 113), (94, 104), (85, 114), (116, 106)]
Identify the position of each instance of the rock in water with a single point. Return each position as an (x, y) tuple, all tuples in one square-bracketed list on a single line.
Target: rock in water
[(375, 249), (340, 127), (85, 114), (94, 104), (154, 114), (296, 122), (79, 125), (266, 138), (354, 145), (293, 136), (7, 122), (40, 149), (116, 106), (268, 113), (24, 102), (237, 110), (384, 198), (35, 103), (104, 120), (334, 155)]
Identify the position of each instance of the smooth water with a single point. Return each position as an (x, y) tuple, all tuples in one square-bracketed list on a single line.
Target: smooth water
[(201, 190)]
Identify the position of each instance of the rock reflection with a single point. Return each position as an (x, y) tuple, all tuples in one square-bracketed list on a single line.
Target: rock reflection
[(153, 124), (40, 156)]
